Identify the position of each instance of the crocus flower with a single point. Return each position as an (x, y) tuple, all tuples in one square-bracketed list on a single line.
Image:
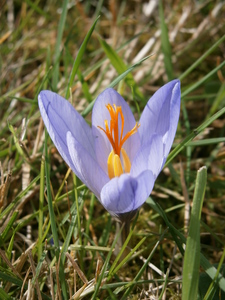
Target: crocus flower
[(117, 158)]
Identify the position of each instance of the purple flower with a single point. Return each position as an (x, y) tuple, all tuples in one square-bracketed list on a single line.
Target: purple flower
[(117, 158)]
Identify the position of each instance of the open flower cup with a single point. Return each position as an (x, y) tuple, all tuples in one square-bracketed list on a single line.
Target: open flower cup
[(117, 158)]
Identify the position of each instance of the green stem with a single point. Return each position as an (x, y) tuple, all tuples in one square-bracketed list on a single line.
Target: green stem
[(123, 227)]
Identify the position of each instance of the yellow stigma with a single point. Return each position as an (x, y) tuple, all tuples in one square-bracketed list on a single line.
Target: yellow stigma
[(116, 167)]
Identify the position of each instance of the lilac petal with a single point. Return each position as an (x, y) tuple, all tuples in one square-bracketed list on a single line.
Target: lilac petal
[(100, 114), (149, 157), (161, 115), (85, 167), (60, 117), (126, 193)]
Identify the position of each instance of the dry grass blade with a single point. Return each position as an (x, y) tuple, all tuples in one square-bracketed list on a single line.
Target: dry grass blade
[(4, 257), (76, 267), (34, 274)]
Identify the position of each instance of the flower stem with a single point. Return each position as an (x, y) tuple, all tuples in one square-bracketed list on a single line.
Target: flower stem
[(123, 229)]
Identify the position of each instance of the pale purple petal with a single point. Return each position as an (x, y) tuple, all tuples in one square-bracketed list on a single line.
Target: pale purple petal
[(60, 117), (149, 157), (161, 115), (85, 167), (126, 193), (100, 114)]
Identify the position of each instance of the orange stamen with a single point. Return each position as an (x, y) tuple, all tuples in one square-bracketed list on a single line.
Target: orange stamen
[(117, 140)]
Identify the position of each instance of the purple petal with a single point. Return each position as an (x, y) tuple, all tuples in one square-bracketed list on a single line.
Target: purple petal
[(100, 114), (60, 117), (126, 193), (149, 157), (161, 115), (85, 167)]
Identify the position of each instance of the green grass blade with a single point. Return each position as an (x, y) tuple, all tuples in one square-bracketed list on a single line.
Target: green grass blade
[(52, 220), (4, 295), (207, 142), (55, 76), (142, 269), (192, 251), (36, 8), (113, 271), (39, 266), (200, 60), (219, 100), (201, 81), (41, 206), (68, 236), (98, 284), (85, 87), (18, 198), (49, 195), (79, 57), (120, 67), (165, 43), (112, 84), (9, 225), (213, 288), (193, 134), (180, 239)]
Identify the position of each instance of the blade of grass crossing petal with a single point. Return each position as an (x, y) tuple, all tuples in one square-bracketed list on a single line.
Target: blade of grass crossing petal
[(79, 57), (55, 76), (52, 220), (120, 67), (165, 43), (41, 205), (193, 134), (192, 250)]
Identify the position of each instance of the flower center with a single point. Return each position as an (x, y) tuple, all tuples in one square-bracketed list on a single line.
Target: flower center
[(116, 167)]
